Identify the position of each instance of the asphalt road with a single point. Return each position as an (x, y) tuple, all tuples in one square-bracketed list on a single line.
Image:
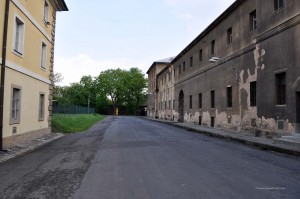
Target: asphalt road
[(134, 158)]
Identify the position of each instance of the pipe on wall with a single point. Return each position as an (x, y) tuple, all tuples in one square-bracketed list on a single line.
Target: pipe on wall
[(4, 45)]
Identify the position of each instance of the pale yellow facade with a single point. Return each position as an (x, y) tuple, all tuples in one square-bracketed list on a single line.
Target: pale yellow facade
[(29, 103), (28, 65)]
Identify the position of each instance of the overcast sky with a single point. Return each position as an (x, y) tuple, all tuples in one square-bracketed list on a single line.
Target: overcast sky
[(95, 35)]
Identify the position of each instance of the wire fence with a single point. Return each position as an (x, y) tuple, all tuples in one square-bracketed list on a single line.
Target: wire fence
[(71, 109)]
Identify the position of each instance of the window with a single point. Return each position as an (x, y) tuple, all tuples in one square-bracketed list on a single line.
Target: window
[(252, 20), (169, 104), (212, 99), (173, 104), (46, 11), (191, 101), (43, 55), (280, 88), (200, 55), (253, 93), (42, 107), (213, 47), (229, 96), (279, 4), (229, 36), (19, 36), (183, 65), (200, 100), (191, 61), (179, 69), (15, 105)]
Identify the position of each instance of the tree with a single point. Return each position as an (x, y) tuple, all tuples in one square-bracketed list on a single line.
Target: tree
[(111, 83), (123, 87)]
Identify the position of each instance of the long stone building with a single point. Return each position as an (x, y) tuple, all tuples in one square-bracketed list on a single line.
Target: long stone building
[(241, 73), (27, 35)]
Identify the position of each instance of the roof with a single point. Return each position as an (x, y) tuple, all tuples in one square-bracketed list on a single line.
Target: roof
[(208, 29), (162, 61), (60, 5)]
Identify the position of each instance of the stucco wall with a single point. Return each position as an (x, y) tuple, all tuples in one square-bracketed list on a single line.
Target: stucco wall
[(30, 91)]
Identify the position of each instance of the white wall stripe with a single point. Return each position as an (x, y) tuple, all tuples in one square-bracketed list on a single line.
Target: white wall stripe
[(27, 72)]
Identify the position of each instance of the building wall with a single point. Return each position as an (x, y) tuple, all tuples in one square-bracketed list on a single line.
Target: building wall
[(29, 120), (155, 69), (253, 56), (33, 37), (166, 93), (24, 70)]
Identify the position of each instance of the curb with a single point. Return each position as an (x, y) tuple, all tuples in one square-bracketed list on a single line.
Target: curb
[(263, 146), (28, 149)]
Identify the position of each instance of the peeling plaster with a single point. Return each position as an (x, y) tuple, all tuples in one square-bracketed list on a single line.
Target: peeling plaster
[(248, 119)]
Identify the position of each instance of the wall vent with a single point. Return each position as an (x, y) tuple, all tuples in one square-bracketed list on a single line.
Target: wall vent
[(14, 130)]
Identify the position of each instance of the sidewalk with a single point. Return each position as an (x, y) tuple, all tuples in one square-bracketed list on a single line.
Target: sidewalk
[(287, 144), (26, 147)]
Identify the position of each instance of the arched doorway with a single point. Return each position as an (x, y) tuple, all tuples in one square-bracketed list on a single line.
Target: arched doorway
[(181, 107)]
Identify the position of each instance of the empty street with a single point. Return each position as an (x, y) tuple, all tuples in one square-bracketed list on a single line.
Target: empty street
[(136, 158)]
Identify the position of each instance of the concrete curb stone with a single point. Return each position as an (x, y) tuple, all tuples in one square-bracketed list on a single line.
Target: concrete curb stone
[(17, 151), (262, 143)]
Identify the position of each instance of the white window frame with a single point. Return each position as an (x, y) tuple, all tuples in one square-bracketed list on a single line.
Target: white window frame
[(18, 36), (46, 11), (43, 63), (15, 108), (41, 113)]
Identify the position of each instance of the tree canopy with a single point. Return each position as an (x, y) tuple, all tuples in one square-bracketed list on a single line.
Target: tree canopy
[(111, 88)]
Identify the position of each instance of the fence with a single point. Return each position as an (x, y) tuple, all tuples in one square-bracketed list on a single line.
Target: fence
[(71, 109)]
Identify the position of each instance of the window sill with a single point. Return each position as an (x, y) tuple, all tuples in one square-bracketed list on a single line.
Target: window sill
[(281, 106), (13, 122), (279, 10), (19, 54)]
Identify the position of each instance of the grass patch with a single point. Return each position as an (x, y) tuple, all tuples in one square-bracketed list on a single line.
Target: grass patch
[(74, 123)]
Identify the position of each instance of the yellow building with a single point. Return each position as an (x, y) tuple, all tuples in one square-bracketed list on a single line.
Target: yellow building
[(27, 34)]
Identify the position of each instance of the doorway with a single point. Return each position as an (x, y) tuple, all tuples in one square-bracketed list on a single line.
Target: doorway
[(297, 125), (181, 107)]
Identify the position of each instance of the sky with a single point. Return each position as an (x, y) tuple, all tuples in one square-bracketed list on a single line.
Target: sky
[(109, 34)]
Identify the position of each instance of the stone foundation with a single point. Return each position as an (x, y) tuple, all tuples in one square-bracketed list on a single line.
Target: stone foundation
[(14, 140)]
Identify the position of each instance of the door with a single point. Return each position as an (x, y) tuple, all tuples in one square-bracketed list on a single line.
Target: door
[(181, 107), (297, 112)]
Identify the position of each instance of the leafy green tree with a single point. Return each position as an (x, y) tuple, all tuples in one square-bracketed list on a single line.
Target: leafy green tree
[(126, 88)]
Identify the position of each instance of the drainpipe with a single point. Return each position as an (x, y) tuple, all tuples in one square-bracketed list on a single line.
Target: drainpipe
[(3, 70)]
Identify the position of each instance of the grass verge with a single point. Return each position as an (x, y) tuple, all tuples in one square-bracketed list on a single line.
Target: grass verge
[(74, 123)]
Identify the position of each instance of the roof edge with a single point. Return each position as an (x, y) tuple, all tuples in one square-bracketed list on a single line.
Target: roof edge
[(217, 21)]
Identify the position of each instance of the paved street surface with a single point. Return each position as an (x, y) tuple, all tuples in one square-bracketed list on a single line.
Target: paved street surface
[(135, 158)]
